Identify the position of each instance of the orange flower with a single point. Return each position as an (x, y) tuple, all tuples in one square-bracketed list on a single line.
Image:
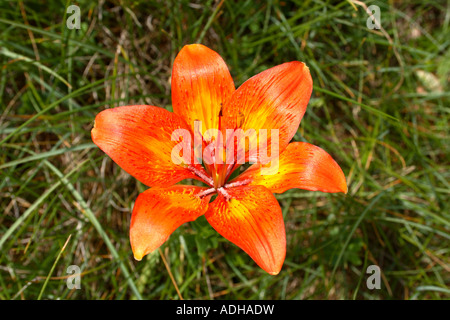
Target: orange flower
[(140, 140)]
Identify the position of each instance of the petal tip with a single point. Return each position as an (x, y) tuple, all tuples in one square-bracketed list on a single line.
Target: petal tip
[(194, 48), (274, 269), (194, 45), (341, 185), (274, 273), (93, 131), (138, 255)]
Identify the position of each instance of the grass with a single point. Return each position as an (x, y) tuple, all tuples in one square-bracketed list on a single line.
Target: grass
[(380, 107)]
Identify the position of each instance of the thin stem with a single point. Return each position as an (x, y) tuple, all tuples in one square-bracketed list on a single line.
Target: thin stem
[(170, 273), (53, 267)]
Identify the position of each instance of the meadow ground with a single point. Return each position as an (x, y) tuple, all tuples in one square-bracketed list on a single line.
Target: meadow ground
[(380, 107)]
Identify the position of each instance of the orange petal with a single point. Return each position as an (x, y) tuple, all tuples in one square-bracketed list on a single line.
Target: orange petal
[(273, 99), (201, 83), (301, 165), (138, 139), (158, 212), (251, 218)]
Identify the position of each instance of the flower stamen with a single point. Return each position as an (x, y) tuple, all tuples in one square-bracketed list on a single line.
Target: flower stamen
[(237, 183), (200, 174), (224, 193), (206, 192)]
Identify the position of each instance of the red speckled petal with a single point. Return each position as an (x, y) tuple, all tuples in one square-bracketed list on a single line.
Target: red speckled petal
[(253, 221), (158, 212), (201, 83), (138, 139), (273, 99), (301, 165)]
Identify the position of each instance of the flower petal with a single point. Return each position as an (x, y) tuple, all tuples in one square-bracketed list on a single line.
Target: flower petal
[(138, 139), (273, 99), (251, 218), (201, 83), (301, 165), (158, 212)]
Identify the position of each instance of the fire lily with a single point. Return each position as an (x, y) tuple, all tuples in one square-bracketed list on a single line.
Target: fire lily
[(139, 139)]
